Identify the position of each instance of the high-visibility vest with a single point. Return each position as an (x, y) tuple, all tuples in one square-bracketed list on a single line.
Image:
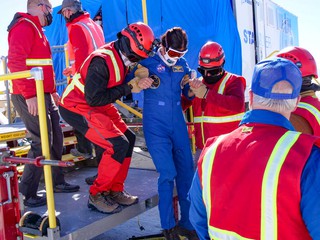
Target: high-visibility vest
[(74, 92), (309, 109), (212, 120), (251, 183), (94, 37)]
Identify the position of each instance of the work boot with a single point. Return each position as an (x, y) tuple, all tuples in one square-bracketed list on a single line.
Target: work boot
[(75, 152), (103, 203), (123, 198), (90, 180), (189, 234), (66, 188), (35, 201), (171, 234)]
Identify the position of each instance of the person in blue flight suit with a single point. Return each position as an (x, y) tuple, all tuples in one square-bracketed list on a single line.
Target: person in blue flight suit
[(165, 129)]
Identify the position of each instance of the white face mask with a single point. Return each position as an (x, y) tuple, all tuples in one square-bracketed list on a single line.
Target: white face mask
[(99, 22), (169, 61)]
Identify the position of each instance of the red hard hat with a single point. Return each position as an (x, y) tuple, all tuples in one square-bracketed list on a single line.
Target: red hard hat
[(141, 38), (211, 55), (302, 58)]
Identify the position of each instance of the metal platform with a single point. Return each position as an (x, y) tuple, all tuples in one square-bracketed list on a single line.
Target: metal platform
[(80, 223)]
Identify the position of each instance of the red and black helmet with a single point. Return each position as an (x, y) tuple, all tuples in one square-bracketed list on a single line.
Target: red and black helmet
[(302, 58), (141, 38), (211, 55)]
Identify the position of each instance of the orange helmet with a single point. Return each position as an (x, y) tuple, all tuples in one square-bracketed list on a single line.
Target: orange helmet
[(302, 58), (211, 55), (141, 39)]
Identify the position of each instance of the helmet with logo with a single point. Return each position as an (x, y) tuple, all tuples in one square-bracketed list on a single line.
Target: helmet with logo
[(137, 41), (302, 58), (211, 55)]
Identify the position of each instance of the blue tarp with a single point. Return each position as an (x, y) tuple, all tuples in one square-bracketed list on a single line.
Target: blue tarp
[(203, 20)]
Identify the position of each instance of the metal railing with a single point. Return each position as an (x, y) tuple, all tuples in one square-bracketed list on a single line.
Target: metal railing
[(37, 75)]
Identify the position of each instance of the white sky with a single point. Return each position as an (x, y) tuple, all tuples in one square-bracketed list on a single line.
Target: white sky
[(307, 12)]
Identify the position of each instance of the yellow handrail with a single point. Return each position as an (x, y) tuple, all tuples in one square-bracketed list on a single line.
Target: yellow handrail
[(193, 139), (66, 57), (37, 74), (144, 11)]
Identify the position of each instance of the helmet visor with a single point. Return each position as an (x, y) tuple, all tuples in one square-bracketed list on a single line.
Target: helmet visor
[(173, 53)]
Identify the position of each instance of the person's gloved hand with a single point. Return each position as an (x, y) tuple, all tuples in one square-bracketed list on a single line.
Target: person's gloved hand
[(141, 72)]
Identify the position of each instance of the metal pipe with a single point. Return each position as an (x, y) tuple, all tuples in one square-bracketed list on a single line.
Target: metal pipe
[(37, 73), (38, 161)]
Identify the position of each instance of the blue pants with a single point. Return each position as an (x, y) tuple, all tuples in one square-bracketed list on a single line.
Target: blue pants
[(169, 146)]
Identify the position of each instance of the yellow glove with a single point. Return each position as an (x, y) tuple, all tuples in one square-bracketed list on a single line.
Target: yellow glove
[(141, 72), (134, 85), (200, 92)]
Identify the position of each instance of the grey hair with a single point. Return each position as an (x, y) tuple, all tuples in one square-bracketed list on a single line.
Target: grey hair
[(276, 105)]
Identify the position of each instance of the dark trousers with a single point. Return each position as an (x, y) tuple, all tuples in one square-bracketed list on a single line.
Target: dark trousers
[(31, 175), (83, 145)]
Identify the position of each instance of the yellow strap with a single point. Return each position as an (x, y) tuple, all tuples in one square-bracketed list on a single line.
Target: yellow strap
[(269, 219), (223, 83), (314, 111), (75, 82), (39, 62), (28, 20), (223, 119), (114, 62)]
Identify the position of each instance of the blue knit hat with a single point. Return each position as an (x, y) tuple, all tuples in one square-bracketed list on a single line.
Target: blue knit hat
[(271, 71)]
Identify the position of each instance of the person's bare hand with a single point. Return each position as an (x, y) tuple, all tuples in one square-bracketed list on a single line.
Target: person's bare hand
[(67, 71), (145, 83), (56, 98), (195, 83), (32, 106)]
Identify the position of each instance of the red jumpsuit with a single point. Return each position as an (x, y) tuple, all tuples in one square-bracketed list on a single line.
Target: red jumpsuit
[(87, 99)]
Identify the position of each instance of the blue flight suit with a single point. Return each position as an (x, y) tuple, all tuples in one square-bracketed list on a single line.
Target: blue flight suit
[(167, 138)]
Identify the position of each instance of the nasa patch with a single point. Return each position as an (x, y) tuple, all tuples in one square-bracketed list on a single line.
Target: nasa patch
[(161, 68)]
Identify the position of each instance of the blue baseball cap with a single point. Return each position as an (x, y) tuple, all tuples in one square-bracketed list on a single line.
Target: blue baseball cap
[(271, 71)]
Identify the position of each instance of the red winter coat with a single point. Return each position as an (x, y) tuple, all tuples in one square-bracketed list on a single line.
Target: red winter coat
[(28, 48)]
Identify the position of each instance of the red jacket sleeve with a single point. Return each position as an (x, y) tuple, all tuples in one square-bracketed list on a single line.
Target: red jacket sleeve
[(20, 40), (232, 99)]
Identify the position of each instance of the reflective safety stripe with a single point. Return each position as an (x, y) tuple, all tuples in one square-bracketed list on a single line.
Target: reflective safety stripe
[(216, 233), (314, 111), (75, 82), (39, 62), (90, 33), (207, 167), (269, 221), (224, 119), (28, 20), (223, 83), (206, 173), (114, 62)]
